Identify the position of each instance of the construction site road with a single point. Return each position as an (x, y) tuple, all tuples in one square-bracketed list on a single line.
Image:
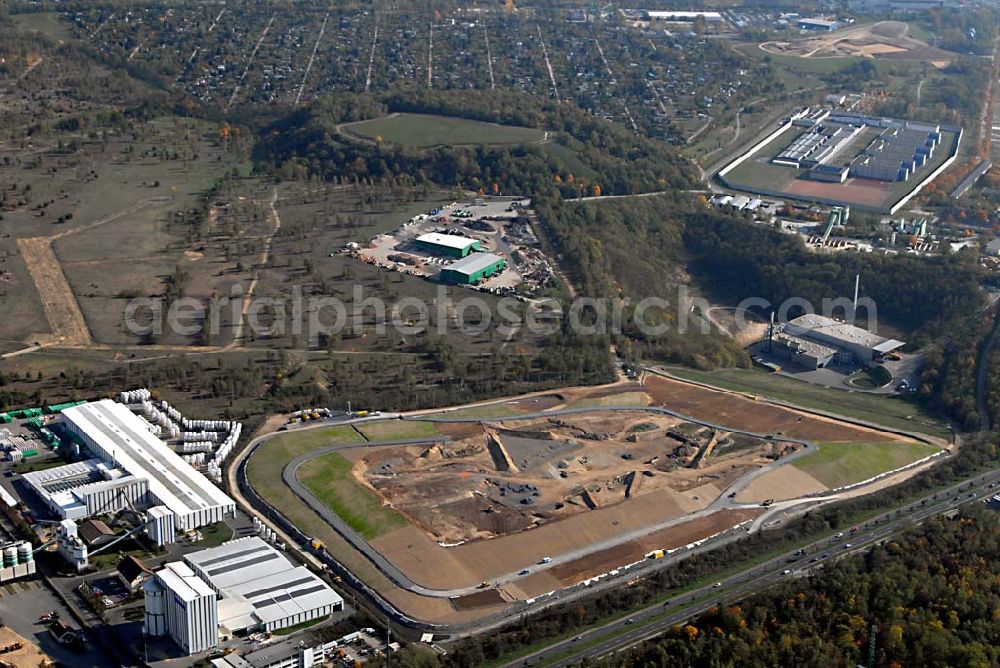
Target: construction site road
[(647, 623), (400, 579), (723, 502)]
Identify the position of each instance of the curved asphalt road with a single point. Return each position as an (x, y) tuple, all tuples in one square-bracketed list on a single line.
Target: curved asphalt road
[(240, 480), (653, 620), (290, 478)]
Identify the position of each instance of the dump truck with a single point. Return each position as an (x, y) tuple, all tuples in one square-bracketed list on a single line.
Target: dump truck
[(655, 554)]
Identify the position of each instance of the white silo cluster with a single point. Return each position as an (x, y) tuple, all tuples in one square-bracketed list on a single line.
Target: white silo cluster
[(174, 414), (159, 419), (197, 437), (235, 428), (134, 396), (207, 425), (266, 532), (16, 560), (193, 436)]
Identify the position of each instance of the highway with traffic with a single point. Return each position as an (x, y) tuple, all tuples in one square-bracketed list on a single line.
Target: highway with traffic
[(647, 623)]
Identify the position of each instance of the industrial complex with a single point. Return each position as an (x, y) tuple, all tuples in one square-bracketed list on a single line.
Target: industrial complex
[(817, 341), (842, 158), (237, 588), (488, 244), (132, 467)]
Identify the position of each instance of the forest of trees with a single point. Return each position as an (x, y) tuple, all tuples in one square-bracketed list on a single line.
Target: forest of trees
[(306, 143), (923, 297), (931, 596)]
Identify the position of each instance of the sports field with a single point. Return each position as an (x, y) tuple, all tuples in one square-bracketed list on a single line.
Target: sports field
[(329, 478), (839, 464), (425, 130)]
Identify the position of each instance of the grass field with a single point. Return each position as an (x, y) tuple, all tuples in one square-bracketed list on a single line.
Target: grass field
[(424, 130), (329, 478), (488, 411), (264, 469), (393, 430), (889, 411), (839, 464), (620, 399), (214, 535), (48, 23), (757, 170)]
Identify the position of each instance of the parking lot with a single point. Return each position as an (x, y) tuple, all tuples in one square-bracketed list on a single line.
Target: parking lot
[(23, 602)]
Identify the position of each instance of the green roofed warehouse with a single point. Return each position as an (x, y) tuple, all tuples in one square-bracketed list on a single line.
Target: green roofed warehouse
[(450, 245), (473, 268)]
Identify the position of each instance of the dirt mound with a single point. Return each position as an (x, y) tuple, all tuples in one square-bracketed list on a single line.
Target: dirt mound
[(880, 40)]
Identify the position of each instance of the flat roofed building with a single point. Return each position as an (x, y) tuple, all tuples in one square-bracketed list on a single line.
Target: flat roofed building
[(682, 16), (260, 588), (181, 605), (473, 268), (860, 344), (122, 439), (451, 245), (807, 353), (83, 489), (818, 24)]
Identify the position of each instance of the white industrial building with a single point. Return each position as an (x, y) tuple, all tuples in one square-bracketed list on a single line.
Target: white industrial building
[(135, 468), (161, 525), (260, 588), (84, 489), (253, 586), (179, 604), (853, 344), (674, 16)]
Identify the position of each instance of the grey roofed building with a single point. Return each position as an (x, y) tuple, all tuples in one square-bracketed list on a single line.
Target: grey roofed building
[(260, 587), (860, 344), (122, 440), (474, 263)]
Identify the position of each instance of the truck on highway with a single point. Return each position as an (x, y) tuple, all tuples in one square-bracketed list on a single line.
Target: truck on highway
[(655, 554), (316, 544)]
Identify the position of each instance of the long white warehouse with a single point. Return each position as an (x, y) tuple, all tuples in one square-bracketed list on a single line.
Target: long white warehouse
[(122, 439)]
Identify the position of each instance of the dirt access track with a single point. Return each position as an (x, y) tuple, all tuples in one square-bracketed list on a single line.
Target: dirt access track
[(58, 300), (887, 39), (504, 566)]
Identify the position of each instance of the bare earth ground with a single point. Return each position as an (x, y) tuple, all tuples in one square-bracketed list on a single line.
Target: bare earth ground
[(444, 568), (884, 39), (604, 561), (727, 408), (28, 655), (60, 304), (787, 482), (858, 191)]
